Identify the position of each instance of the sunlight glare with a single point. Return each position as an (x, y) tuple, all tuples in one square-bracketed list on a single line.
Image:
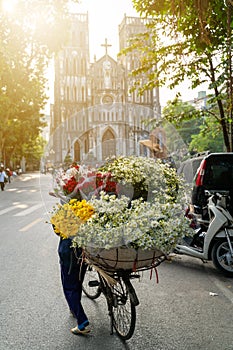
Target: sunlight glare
[(8, 5)]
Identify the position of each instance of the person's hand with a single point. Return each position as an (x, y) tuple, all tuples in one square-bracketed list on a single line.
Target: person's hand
[(52, 194)]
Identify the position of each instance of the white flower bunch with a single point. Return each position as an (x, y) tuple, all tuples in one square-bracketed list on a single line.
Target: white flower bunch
[(106, 226), (141, 225), (132, 170), (139, 221), (144, 174)]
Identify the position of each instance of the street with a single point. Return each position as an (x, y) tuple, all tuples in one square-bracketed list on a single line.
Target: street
[(189, 309)]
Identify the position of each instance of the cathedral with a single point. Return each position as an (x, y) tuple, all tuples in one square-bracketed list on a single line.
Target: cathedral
[(94, 115)]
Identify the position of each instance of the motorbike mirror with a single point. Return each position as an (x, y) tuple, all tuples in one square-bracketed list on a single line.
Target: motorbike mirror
[(207, 193)]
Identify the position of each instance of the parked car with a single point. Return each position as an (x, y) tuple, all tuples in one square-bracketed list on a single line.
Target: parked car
[(188, 168), (213, 172)]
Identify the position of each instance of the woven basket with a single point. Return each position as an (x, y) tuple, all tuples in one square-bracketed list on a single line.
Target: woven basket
[(123, 258)]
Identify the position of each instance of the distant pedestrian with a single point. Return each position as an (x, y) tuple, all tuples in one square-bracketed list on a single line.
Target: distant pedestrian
[(18, 170), (9, 174), (3, 178)]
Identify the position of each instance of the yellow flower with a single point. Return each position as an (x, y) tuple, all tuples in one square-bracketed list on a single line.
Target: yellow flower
[(69, 216)]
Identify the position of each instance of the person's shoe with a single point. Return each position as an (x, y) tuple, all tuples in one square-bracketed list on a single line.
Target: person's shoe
[(78, 331)]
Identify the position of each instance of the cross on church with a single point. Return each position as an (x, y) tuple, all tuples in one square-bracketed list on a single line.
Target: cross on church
[(106, 45)]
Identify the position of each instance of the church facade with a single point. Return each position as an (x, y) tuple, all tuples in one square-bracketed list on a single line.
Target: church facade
[(94, 115)]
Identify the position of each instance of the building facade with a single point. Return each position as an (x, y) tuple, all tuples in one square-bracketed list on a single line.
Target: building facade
[(94, 115)]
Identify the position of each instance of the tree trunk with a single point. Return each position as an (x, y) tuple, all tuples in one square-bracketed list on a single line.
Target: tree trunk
[(229, 60), (221, 110)]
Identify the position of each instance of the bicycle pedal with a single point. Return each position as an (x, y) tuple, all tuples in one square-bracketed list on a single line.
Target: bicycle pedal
[(93, 283)]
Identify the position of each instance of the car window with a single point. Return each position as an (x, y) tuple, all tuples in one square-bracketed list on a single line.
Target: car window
[(219, 173), (196, 164), (189, 169)]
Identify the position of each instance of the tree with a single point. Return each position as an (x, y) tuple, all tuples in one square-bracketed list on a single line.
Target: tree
[(196, 127), (33, 151), (188, 39), (209, 137), (28, 39), (184, 117)]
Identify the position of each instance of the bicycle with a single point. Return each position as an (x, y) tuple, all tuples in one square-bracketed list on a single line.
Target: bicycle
[(120, 295)]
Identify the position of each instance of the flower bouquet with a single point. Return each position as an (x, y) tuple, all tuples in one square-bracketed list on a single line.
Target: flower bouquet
[(65, 182), (133, 217), (81, 182), (142, 221), (121, 236), (67, 218), (105, 181), (141, 177)]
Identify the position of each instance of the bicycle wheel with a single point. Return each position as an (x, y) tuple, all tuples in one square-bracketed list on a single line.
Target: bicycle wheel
[(123, 310), (91, 284)]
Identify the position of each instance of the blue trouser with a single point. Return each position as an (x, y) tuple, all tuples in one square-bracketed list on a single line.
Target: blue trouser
[(72, 275)]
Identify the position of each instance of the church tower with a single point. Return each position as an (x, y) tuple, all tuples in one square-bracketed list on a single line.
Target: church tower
[(71, 83), (129, 27)]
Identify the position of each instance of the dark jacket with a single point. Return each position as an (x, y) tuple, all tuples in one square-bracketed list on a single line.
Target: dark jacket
[(69, 257)]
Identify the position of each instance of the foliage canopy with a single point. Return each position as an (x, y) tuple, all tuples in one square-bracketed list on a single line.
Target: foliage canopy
[(29, 36), (188, 39)]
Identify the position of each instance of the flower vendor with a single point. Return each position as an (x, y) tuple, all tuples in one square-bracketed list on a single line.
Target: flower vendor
[(72, 275), (66, 220), (131, 202)]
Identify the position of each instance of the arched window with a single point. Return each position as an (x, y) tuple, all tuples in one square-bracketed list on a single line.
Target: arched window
[(67, 66), (67, 93), (74, 67), (86, 146), (108, 144), (77, 151), (83, 65), (75, 94)]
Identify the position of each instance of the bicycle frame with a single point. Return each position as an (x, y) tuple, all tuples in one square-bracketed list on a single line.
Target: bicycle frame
[(119, 295)]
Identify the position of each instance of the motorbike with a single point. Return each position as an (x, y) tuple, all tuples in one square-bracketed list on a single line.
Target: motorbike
[(213, 238)]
